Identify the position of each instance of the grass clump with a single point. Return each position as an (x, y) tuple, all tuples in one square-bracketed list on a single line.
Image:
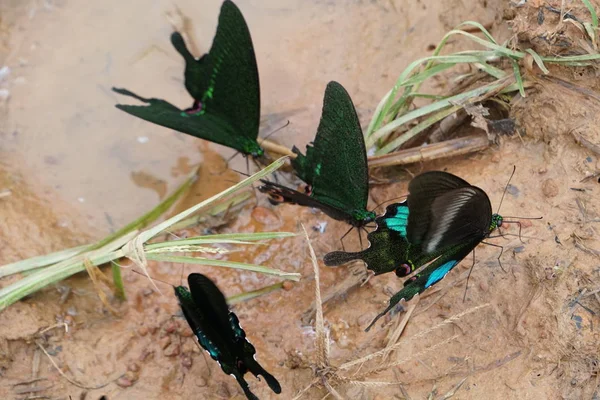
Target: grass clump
[(135, 244)]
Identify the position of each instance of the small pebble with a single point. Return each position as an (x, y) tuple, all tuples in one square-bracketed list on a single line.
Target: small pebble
[(124, 382), (171, 326), (264, 216), (142, 330), (164, 342), (133, 367), (146, 355), (549, 188), (4, 72), (526, 223), (201, 382), (484, 286), (186, 361), (172, 351), (185, 331), (287, 285)]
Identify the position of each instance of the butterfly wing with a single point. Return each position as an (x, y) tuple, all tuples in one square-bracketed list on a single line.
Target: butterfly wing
[(389, 249), (226, 79), (249, 361), (446, 211), (160, 112), (429, 276), (224, 84), (281, 194), (341, 175)]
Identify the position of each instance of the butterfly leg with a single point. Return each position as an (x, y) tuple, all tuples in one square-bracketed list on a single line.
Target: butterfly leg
[(342, 238), (468, 277), (501, 251)]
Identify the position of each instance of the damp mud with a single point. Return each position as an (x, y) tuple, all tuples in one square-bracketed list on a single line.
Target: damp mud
[(77, 169)]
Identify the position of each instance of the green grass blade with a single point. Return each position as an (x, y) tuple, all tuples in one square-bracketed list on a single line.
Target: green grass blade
[(150, 216), (143, 237), (477, 25), (118, 281), (538, 60), (392, 126), (230, 238), (226, 264), (240, 298), (391, 146), (592, 11), (518, 78), (228, 205), (40, 261)]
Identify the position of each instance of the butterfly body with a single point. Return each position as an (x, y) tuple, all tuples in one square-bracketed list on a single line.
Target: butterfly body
[(219, 332), (334, 167), (224, 85), (442, 220)]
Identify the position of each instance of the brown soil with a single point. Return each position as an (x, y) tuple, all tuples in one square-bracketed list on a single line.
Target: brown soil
[(78, 168)]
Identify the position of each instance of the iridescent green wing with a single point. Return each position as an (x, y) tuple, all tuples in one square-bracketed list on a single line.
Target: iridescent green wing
[(337, 163), (224, 84)]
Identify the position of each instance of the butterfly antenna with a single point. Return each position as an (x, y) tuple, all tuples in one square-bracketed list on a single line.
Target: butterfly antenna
[(277, 130), (181, 274), (154, 279), (387, 201), (506, 188)]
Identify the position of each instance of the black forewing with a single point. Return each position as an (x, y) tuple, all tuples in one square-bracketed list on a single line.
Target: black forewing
[(445, 211), (339, 157), (211, 303)]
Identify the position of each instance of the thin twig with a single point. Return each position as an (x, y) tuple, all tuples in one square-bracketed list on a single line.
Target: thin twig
[(399, 329), (448, 148), (71, 381)]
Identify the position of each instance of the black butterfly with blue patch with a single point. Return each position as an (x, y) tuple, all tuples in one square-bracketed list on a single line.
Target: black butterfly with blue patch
[(219, 332), (443, 219)]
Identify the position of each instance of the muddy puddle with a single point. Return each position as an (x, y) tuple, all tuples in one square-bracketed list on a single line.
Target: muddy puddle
[(78, 169)]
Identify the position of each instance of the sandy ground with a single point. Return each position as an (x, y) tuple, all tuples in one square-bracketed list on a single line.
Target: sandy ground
[(79, 169)]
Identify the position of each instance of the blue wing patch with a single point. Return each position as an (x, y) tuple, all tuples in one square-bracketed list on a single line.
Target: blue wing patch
[(440, 273), (398, 221)]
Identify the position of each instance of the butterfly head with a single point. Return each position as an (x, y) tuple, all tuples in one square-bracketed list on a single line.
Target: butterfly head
[(363, 217), (254, 150), (496, 221)]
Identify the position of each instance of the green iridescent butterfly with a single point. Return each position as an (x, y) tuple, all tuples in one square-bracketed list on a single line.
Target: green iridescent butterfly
[(443, 219), (219, 332), (334, 168), (224, 85)]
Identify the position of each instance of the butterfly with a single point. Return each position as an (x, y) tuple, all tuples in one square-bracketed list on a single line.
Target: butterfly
[(224, 85), (442, 220), (334, 166), (219, 332)]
